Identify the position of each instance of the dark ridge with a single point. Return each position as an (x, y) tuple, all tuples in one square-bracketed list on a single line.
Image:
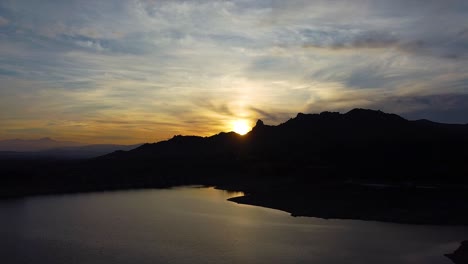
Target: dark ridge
[(365, 115), (360, 143)]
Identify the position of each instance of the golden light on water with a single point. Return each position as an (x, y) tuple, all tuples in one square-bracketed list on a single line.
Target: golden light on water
[(241, 127)]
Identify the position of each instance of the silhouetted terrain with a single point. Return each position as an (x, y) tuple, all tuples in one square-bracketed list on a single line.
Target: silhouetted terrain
[(61, 153), (361, 143), (22, 145), (460, 256), (363, 164)]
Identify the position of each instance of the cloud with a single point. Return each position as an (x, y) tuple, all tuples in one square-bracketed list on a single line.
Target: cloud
[(448, 108), (273, 117), (90, 44), (4, 21), (454, 46), (346, 39)]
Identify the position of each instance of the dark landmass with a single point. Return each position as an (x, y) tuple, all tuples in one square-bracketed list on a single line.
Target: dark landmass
[(22, 145), (460, 256), (364, 164), (398, 204), (69, 152)]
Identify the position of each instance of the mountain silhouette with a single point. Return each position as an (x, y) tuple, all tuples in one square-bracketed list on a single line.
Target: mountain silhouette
[(63, 152), (365, 142), (25, 145)]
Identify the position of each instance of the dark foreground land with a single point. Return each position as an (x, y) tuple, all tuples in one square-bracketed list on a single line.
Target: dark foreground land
[(399, 204), (360, 165), (460, 256)]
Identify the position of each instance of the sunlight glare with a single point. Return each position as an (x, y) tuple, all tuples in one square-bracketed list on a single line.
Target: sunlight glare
[(241, 127)]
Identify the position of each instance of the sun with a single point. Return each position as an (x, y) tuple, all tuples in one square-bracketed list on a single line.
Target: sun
[(241, 127)]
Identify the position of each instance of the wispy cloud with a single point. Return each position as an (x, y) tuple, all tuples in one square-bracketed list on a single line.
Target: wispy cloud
[(3, 21)]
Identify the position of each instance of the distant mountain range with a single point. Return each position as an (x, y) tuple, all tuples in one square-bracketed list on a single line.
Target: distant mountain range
[(48, 148), (22, 145)]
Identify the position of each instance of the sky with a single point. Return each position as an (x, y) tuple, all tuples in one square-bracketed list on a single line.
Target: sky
[(130, 71)]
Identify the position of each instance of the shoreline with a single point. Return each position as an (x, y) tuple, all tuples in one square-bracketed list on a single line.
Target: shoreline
[(443, 207)]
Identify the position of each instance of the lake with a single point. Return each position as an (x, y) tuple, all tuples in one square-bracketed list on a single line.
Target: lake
[(198, 225)]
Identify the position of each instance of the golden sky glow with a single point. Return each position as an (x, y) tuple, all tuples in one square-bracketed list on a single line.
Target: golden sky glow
[(142, 71)]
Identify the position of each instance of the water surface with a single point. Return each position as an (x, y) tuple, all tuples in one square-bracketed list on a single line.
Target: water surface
[(198, 225)]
